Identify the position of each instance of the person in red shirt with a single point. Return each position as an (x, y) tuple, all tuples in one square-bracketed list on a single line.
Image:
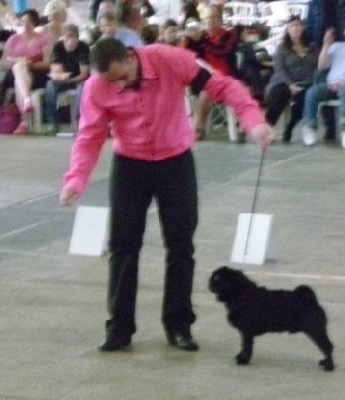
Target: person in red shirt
[(141, 93), (221, 43), (214, 44), (217, 46)]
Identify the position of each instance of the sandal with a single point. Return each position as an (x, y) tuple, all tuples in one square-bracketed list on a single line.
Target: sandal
[(22, 129), (28, 106)]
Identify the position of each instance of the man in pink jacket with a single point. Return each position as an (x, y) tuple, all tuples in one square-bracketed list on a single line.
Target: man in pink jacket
[(140, 93)]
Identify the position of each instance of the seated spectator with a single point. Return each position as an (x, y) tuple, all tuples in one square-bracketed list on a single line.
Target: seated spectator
[(255, 65), (55, 11), (94, 33), (295, 64), (217, 46), (4, 10), (109, 27), (26, 58), (4, 35), (150, 33), (323, 14), (69, 69), (98, 7), (331, 57), (106, 6), (170, 33), (190, 10), (107, 24), (130, 20)]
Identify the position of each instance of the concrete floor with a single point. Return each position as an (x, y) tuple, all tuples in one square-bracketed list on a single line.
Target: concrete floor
[(52, 307)]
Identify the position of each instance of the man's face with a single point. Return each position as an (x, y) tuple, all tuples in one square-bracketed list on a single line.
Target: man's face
[(122, 73), (60, 16), (212, 20), (107, 28), (170, 34), (70, 42)]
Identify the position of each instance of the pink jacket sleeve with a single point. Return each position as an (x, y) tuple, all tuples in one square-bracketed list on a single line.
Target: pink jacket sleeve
[(233, 93), (93, 131)]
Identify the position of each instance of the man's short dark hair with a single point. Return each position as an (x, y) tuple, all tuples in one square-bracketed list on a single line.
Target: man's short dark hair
[(170, 22), (105, 51), (107, 16), (125, 10)]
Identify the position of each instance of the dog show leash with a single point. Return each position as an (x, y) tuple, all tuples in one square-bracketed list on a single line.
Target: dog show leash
[(255, 199)]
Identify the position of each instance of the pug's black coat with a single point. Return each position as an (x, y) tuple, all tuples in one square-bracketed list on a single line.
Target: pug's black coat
[(255, 310)]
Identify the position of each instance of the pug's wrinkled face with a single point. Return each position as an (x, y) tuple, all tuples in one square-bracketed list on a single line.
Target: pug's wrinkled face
[(228, 284)]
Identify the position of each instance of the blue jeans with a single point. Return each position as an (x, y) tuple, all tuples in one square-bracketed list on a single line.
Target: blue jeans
[(51, 99), (316, 94)]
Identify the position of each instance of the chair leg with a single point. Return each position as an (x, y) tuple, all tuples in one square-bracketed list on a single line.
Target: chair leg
[(331, 119), (73, 110), (231, 120), (36, 120)]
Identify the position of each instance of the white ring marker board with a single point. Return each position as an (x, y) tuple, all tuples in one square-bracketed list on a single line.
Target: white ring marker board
[(90, 231), (259, 242)]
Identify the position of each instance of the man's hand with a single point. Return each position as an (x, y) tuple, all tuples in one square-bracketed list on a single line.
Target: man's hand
[(335, 86), (263, 135), (68, 196), (294, 89), (329, 37)]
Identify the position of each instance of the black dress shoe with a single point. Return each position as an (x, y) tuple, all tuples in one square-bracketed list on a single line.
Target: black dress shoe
[(182, 341), (115, 343)]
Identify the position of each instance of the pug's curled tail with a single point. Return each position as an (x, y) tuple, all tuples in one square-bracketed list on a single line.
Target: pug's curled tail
[(306, 294)]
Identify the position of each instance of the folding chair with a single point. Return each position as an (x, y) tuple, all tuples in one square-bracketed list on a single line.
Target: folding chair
[(221, 116), (236, 12), (66, 97)]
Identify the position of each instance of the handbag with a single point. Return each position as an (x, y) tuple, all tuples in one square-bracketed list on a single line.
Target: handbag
[(9, 118)]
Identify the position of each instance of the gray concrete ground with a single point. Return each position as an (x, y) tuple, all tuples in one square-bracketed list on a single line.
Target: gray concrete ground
[(52, 307)]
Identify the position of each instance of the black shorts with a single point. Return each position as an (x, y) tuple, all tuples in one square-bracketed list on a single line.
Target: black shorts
[(39, 80)]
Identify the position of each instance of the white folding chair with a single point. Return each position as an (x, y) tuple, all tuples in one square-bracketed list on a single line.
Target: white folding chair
[(66, 97), (298, 9), (236, 12), (271, 43), (219, 114), (36, 118), (275, 13), (224, 117)]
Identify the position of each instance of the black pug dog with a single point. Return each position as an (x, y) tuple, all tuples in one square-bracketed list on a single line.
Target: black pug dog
[(255, 310)]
